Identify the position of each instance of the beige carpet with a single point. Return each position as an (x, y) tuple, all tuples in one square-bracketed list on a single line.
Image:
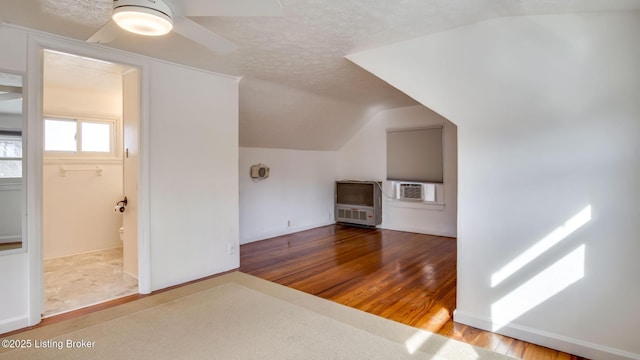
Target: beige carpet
[(235, 316)]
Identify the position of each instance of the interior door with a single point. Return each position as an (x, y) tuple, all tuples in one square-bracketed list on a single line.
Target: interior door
[(131, 160)]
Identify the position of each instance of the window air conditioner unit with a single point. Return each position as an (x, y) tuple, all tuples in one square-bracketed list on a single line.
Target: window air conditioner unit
[(408, 191), (416, 191)]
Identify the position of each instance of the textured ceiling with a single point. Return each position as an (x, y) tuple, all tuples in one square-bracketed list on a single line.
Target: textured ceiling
[(298, 91), (70, 71)]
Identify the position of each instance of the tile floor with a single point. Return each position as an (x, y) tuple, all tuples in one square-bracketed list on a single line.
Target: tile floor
[(76, 281)]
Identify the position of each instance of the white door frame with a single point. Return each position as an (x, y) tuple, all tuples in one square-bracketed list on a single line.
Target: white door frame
[(37, 42), (130, 165)]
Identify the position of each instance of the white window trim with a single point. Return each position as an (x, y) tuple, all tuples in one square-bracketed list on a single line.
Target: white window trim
[(114, 120)]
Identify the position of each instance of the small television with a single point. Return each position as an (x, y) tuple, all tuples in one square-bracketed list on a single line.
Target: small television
[(358, 202)]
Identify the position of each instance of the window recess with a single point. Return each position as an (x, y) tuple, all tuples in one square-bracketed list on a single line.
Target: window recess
[(415, 165)]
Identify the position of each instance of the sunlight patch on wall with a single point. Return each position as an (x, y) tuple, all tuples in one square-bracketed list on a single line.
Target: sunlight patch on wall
[(542, 246), (538, 289)]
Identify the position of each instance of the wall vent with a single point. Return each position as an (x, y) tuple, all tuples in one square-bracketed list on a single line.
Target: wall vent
[(352, 214)]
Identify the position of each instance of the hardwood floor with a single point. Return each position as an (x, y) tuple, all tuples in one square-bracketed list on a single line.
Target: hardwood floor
[(405, 277)]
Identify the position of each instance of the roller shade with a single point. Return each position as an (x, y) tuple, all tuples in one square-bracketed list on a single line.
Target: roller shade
[(415, 155)]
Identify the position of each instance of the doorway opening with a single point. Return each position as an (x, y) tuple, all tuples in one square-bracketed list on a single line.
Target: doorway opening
[(91, 126)]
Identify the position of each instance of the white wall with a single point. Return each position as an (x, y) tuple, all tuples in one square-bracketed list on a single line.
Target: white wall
[(59, 100), (78, 213), (297, 195), (364, 156), (547, 112), (193, 174), (14, 302)]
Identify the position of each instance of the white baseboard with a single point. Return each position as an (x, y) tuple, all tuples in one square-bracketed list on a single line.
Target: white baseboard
[(15, 323), (271, 234), (419, 230), (285, 231), (551, 340)]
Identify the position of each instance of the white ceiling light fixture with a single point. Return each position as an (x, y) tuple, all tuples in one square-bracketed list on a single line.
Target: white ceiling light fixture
[(158, 17), (144, 17)]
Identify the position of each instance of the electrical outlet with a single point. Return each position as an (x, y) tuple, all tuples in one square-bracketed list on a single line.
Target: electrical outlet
[(288, 223), (232, 248)]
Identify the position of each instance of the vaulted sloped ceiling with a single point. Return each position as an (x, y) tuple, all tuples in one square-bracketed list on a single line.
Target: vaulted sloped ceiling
[(297, 89)]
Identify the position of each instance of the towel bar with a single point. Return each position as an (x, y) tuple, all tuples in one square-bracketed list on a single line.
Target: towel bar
[(65, 169)]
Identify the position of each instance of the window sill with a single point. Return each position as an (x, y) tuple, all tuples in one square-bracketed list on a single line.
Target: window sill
[(418, 205)]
